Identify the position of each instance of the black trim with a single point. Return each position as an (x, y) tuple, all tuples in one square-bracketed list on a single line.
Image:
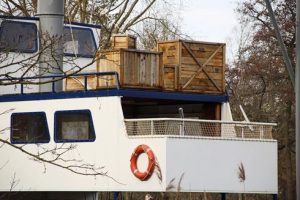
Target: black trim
[(37, 19), (91, 126), (19, 17), (82, 24)]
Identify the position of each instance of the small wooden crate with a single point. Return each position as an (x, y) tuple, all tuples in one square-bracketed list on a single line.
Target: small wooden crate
[(192, 66), (119, 41), (136, 68)]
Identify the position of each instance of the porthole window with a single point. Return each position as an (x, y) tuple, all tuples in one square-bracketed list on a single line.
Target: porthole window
[(74, 126), (29, 127)]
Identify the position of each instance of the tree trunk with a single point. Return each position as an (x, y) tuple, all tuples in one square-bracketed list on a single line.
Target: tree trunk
[(290, 185)]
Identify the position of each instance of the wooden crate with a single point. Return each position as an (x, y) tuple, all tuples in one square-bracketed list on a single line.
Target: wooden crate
[(136, 68), (119, 41), (193, 66)]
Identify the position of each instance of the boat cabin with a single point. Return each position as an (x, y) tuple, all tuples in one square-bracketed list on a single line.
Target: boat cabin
[(125, 119)]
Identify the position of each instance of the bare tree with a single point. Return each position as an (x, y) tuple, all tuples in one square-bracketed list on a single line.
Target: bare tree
[(115, 16), (260, 82)]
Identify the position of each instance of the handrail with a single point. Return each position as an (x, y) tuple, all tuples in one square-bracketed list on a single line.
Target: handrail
[(55, 78), (202, 120)]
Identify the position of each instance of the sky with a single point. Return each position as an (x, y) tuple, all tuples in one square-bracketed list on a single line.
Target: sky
[(211, 21)]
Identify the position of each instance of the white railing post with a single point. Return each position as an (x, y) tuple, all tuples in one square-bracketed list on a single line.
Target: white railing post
[(181, 128), (242, 132), (261, 132), (152, 127)]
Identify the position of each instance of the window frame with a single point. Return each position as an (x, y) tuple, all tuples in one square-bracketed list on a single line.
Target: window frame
[(93, 41), (28, 142), (91, 126), (35, 47)]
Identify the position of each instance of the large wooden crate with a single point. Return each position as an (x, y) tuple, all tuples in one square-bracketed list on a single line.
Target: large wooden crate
[(193, 66), (136, 68)]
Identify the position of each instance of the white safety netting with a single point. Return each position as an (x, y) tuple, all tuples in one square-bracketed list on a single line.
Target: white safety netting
[(201, 128)]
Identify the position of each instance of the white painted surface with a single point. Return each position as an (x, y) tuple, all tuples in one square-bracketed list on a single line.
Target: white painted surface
[(208, 164), (112, 149), (212, 165), (226, 115)]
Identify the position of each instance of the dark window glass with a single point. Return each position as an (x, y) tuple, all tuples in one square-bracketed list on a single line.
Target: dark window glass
[(74, 126), (29, 128), (79, 42), (18, 37)]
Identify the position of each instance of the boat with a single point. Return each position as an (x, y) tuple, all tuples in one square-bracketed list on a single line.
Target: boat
[(113, 136)]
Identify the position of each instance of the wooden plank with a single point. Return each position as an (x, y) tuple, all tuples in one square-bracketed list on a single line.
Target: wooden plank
[(142, 69), (215, 76), (178, 69), (203, 82), (203, 47), (224, 65), (218, 111), (153, 70), (191, 41), (202, 54), (208, 68), (191, 61), (170, 53), (169, 77)]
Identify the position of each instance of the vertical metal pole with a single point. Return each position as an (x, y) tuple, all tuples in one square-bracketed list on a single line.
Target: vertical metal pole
[(51, 26), (297, 91), (116, 195), (152, 127), (295, 80), (286, 58), (223, 196), (85, 83)]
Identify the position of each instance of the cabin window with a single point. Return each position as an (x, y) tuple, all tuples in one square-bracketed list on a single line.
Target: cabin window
[(18, 37), (79, 42), (29, 128), (74, 126)]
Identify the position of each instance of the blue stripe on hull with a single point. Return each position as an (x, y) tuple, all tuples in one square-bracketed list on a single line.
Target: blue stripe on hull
[(118, 92)]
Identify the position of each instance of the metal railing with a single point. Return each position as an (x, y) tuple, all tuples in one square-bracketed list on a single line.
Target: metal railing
[(53, 79), (199, 128)]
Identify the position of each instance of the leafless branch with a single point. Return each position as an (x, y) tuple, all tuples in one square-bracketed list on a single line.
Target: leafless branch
[(73, 165)]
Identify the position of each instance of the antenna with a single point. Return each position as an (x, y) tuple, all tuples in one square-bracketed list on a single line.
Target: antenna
[(180, 111), (245, 117), (244, 114)]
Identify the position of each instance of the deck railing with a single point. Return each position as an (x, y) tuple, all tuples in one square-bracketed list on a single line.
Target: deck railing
[(54, 79), (199, 128)]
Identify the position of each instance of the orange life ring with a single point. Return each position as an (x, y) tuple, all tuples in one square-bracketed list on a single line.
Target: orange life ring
[(143, 176)]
